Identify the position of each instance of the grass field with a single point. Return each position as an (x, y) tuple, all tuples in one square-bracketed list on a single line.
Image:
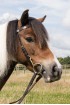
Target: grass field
[(43, 93)]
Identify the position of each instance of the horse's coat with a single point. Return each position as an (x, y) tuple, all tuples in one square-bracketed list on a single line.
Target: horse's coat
[(3, 48)]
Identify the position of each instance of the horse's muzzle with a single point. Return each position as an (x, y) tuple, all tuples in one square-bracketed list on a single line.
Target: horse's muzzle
[(53, 75)]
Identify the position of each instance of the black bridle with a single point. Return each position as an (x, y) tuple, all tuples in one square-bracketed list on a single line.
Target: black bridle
[(37, 69)]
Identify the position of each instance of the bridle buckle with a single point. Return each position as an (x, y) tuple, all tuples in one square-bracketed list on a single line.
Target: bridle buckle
[(38, 68)]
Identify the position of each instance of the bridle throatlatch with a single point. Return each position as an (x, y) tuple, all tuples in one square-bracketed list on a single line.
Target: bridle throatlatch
[(37, 69)]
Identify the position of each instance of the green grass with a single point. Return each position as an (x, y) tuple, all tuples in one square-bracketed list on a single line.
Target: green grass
[(43, 93), (48, 98)]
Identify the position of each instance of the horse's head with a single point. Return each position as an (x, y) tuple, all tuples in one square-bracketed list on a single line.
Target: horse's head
[(34, 37)]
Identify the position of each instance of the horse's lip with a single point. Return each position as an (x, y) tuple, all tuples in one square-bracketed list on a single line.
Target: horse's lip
[(50, 78), (46, 77), (47, 80), (54, 79)]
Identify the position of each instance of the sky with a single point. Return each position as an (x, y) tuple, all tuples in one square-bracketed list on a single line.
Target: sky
[(57, 21)]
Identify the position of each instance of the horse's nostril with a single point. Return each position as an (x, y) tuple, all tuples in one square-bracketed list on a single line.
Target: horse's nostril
[(55, 71), (54, 68)]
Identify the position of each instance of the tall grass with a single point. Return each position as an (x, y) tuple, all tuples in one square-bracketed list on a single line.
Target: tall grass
[(43, 93)]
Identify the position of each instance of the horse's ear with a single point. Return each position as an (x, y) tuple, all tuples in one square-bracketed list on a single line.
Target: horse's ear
[(24, 18), (42, 19)]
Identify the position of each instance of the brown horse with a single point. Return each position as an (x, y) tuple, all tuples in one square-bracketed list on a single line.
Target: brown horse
[(34, 37)]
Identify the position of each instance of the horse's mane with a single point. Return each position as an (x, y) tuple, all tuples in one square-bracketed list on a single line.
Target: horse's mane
[(11, 37)]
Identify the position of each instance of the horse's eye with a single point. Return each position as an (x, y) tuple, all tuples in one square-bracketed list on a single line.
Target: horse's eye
[(29, 39)]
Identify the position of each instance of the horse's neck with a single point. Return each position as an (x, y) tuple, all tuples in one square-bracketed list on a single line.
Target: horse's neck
[(3, 49)]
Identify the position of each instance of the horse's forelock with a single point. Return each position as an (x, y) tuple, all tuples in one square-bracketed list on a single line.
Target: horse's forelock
[(40, 32)]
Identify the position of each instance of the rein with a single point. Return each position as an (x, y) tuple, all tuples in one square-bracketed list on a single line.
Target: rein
[(37, 69)]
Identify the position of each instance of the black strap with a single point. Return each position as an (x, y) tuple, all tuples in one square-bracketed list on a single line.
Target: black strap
[(25, 52)]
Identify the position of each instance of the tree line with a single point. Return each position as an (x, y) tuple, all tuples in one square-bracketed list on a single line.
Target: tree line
[(65, 60)]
